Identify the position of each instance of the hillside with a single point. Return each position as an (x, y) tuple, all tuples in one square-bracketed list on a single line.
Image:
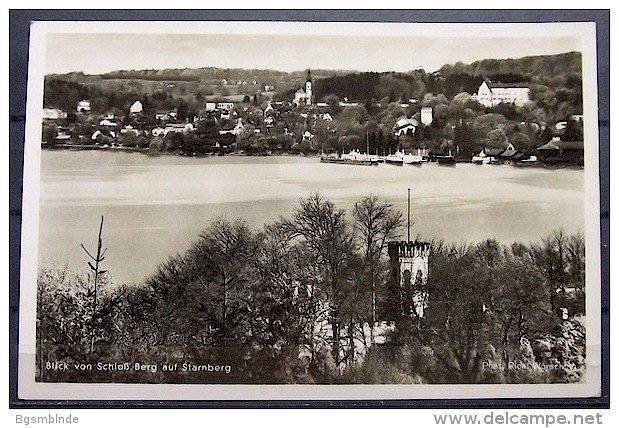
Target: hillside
[(119, 89), (555, 82), (556, 72)]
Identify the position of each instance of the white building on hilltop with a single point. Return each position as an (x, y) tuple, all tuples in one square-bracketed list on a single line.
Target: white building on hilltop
[(491, 94)]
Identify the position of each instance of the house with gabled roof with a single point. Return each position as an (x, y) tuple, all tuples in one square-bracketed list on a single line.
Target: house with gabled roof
[(268, 110), (136, 108), (493, 154), (404, 126), (307, 135), (557, 152), (508, 154)]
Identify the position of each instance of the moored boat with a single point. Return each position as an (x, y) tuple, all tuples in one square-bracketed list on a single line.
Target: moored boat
[(409, 158), (354, 157), (445, 160), (395, 159), (481, 157), (448, 159), (480, 160)]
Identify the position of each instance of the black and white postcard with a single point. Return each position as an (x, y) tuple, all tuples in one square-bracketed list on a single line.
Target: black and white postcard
[(289, 210)]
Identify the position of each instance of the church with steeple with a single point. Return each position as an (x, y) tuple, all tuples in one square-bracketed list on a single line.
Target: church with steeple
[(305, 94)]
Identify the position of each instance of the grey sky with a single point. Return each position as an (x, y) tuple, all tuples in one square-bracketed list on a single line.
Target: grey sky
[(99, 53)]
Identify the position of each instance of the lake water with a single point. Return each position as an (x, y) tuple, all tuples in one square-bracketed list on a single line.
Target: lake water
[(155, 207)]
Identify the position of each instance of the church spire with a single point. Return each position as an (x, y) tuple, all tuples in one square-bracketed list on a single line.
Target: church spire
[(308, 88)]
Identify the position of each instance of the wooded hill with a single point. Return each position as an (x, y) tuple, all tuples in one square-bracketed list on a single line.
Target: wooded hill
[(558, 73), (550, 77)]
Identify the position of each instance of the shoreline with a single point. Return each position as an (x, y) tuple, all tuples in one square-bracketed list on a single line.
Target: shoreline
[(149, 152), (268, 153)]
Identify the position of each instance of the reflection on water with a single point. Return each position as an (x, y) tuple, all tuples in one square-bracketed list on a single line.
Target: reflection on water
[(155, 206)]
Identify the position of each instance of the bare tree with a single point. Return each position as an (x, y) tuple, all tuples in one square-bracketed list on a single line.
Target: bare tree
[(97, 259), (376, 223), (323, 230), (96, 272)]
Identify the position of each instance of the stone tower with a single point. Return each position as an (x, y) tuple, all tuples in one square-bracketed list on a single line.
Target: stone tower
[(407, 294)]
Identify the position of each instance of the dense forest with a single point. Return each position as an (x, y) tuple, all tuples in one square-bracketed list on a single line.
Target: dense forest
[(292, 303)]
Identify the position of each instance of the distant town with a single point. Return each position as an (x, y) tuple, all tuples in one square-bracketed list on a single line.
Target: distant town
[(515, 118)]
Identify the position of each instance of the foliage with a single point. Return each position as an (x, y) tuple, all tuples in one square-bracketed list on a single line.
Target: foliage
[(377, 369), (490, 314), (49, 133), (294, 303)]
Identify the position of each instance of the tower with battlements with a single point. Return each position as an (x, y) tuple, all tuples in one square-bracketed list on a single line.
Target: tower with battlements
[(407, 295)]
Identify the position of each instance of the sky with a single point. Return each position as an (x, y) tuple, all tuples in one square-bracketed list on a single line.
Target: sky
[(340, 48)]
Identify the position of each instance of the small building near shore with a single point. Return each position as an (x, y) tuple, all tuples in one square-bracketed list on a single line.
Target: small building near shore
[(129, 129), (157, 131), (108, 123), (307, 136), (405, 126), (557, 152), (507, 154), (493, 154), (178, 127)]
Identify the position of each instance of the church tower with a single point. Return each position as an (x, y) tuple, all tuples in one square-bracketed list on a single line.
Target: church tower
[(308, 87)]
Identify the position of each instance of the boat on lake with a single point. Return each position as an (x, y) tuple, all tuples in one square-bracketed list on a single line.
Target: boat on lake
[(481, 158), (395, 159), (354, 157), (445, 160), (409, 158)]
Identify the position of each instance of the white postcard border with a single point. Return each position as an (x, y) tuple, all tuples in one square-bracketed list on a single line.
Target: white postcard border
[(28, 389)]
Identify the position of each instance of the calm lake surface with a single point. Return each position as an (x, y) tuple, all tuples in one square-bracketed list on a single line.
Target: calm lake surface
[(154, 207)]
